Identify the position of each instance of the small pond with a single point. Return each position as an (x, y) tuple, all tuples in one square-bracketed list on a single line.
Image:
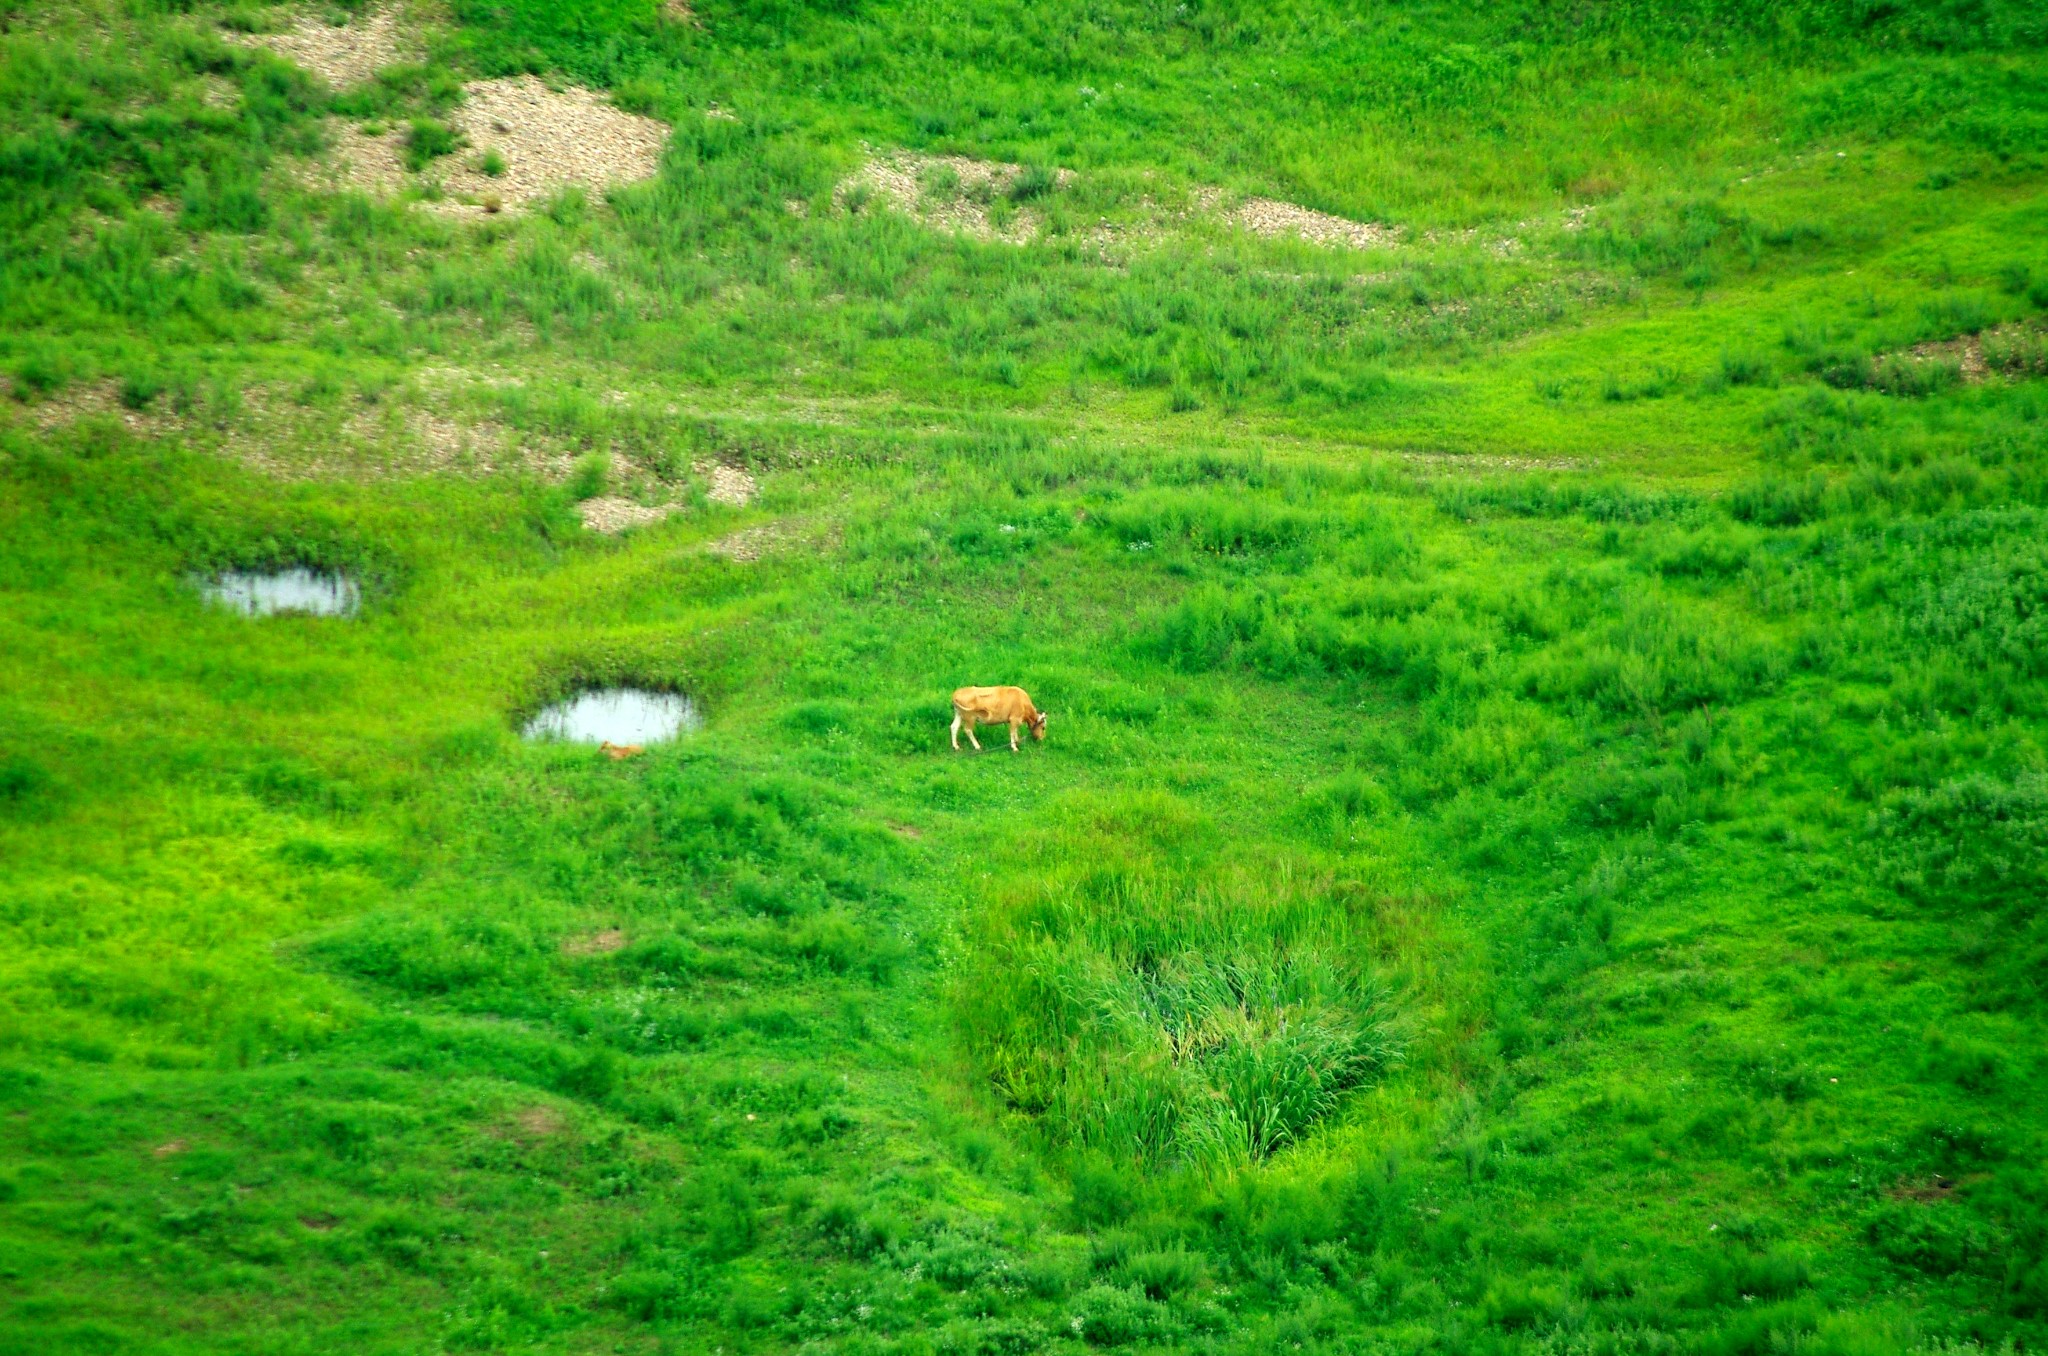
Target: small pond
[(265, 593), (616, 715)]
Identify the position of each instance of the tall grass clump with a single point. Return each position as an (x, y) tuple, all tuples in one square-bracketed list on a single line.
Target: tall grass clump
[(1179, 1021)]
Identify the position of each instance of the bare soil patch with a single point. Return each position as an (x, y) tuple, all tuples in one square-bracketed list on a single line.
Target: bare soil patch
[(766, 539), (82, 399), (1935, 1188), (170, 1148), (339, 54), (728, 485), (544, 140), (549, 139), (612, 514), (595, 943), (1965, 351), (1479, 461), (539, 1122), (277, 435), (1273, 219), (319, 1221), (947, 192)]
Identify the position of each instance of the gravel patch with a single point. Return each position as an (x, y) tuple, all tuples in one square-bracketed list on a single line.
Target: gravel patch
[(612, 514), (729, 485), (749, 544), (1481, 461), (366, 161), (1272, 218), (547, 140), (1966, 351), (946, 192), (276, 435), (341, 56), (766, 539), (85, 399), (1973, 356)]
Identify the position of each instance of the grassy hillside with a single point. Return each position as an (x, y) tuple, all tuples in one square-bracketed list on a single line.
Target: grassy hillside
[(1543, 831)]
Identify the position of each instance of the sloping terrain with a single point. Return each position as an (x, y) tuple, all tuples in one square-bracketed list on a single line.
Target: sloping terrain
[(1528, 522)]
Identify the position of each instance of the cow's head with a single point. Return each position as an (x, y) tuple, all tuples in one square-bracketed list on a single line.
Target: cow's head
[(1038, 726)]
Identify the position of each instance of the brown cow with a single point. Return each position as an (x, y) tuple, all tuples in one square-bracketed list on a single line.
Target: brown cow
[(1010, 706)]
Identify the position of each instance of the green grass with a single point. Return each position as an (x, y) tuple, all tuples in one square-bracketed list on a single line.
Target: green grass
[(1540, 842)]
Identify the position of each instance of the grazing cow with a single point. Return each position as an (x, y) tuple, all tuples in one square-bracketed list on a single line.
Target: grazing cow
[(615, 752), (1009, 706)]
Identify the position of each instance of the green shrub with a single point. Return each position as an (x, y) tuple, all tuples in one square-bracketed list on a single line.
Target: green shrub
[(653, 1294), (1117, 1317), (1738, 1277), (1033, 181), (590, 476), (1988, 605), (25, 785), (852, 1231), (1165, 1272), (225, 199), (1143, 1019), (593, 1077), (1517, 1302), (140, 389), (1779, 503), (39, 374), (1746, 369), (428, 139), (1978, 841), (1935, 1237), (2017, 353), (1902, 375)]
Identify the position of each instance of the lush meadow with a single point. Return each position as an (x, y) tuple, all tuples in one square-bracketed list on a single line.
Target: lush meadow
[(1541, 840)]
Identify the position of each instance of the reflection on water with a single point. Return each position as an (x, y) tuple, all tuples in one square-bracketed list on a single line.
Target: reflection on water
[(263, 593), (616, 715)]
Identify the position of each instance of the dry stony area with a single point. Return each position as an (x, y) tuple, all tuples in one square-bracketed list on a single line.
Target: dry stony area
[(612, 514), (339, 54), (546, 139), (88, 398), (1272, 218), (728, 485), (948, 192), (1965, 351), (750, 544), (956, 193), (289, 443)]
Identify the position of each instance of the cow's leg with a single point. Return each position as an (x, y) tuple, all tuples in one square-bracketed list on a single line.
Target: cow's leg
[(1013, 734), (956, 730), (970, 735)]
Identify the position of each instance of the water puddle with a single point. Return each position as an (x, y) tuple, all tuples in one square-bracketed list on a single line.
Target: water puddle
[(267, 593), (617, 715)]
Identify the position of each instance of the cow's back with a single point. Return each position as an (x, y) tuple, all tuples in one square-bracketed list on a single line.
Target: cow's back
[(993, 704)]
